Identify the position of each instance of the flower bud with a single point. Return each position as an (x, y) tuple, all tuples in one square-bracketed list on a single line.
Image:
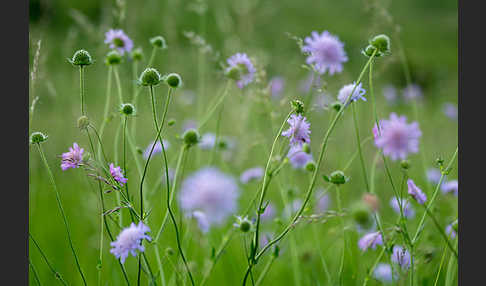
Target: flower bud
[(113, 58), (150, 77), (171, 122), (310, 166), (158, 42), (405, 164), (173, 80), (139, 150), (337, 106), (37, 138), (361, 214), (243, 223), (369, 50), (169, 251), (337, 178), (81, 58), (191, 137), (306, 148), (127, 109), (137, 54), (382, 43), (83, 122), (298, 106), (234, 73)]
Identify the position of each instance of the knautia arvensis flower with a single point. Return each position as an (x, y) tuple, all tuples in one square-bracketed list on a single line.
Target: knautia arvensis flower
[(129, 241), (73, 158), (81, 58), (117, 39), (158, 42), (325, 52), (37, 138), (150, 77), (241, 69)]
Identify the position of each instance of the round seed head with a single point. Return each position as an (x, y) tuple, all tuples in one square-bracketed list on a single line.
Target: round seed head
[(81, 58), (158, 42), (310, 166), (381, 42), (137, 54), (127, 109), (171, 122), (405, 164), (191, 137), (150, 77), (337, 178), (83, 122), (113, 58), (337, 106), (173, 80), (37, 138)]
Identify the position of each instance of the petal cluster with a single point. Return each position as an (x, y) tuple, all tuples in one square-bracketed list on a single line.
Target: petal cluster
[(325, 52), (73, 158), (129, 241), (117, 39)]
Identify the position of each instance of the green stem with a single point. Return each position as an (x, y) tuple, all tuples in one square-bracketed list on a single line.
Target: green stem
[(107, 107), (356, 129), (341, 265), (81, 88), (441, 230), (440, 265), (36, 276), (54, 272), (118, 85), (205, 120), (265, 270), (152, 57)]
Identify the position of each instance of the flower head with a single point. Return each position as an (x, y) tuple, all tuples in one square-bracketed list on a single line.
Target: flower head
[(118, 40), (450, 187), (157, 148), (243, 223), (326, 52), (241, 69), (412, 91), (450, 110), (407, 209), (129, 240), (251, 174), (117, 174), (370, 240), (416, 192), (396, 137), (383, 272), (450, 231), (298, 158), (211, 192), (401, 256), (433, 175), (299, 131), (277, 85), (37, 138), (346, 90), (73, 158), (390, 93), (81, 58)]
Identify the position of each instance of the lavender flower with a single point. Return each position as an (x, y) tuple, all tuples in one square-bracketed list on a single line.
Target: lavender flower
[(416, 192), (117, 174), (401, 256), (370, 240), (326, 52), (73, 158), (450, 110), (211, 192), (450, 231), (346, 90), (118, 40), (383, 272), (299, 131), (251, 174), (157, 148), (208, 140), (407, 209), (412, 91), (390, 93), (246, 69), (298, 158), (129, 240), (269, 212), (450, 187), (433, 175), (277, 85), (396, 137)]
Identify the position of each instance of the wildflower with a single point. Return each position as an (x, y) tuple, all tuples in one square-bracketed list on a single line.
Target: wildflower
[(268, 213), (127, 109), (382, 43), (118, 40), (251, 174), (202, 221), (450, 110), (211, 192), (243, 223), (346, 90), (208, 140), (117, 174), (150, 77), (83, 122), (173, 80), (407, 209), (390, 93), (298, 158), (158, 42), (450, 187), (412, 91), (38, 137), (450, 231), (157, 148), (433, 175), (73, 158), (396, 137), (129, 240), (401, 256), (323, 201), (370, 240), (383, 272), (191, 137), (416, 192), (241, 69), (81, 58), (299, 131), (326, 52), (277, 85)]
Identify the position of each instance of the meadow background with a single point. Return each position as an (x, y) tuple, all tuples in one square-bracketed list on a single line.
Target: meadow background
[(428, 32)]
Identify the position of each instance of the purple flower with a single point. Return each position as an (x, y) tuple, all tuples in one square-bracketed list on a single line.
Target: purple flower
[(396, 137), (433, 175), (117, 174), (326, 52), (450, 231), (211, 192), (118, 40), (247, 70), (412, 91), (450, 187), (346, 90), (129, 240), (416, 192), (269, 212), (370, 240), (202, 221), (450, 110), (277, 84), (251, 174), (208, 140), (401, 256), (323, 201), (298, 158), (390, 94), (407, 209), (299, 131), (157, 148), (383, 272), (73, 158)]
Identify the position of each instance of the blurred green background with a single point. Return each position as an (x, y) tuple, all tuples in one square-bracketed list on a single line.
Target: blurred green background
[(428, 32)]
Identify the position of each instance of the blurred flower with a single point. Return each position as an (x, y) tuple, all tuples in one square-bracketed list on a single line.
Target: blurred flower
[(407, 209), (73, 158), (202, 221), (326, 52), (370, 240), (118, 40), (450, 110), (396, 137), (189, 124), (251, 174), (412, 91), (157, 148), (390, 93), (346, 90), (208, 140), (450, 187), (211, 192), (299, 131), (269, 212), (117, 174), (383, 272), (416, 192), (433, 175), (297, 157), (246, 69), (323, 201), (450, 231), (401, 256), (129, 240), (277, 85), (311, 81)]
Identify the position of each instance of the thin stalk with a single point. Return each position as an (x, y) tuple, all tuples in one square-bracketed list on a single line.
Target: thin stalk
[(441, 231), (205, 120), (54, 272), (356, 129), (341, 220), (36, 276), (59, 204), (81, 88), (440, 265), (265, 270), (152, 57), (107, 107), (118, 85)]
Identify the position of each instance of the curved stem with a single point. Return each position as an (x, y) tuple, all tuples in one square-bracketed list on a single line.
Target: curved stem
[(54, 272), (107, 107), (215, 106), (356, 129)]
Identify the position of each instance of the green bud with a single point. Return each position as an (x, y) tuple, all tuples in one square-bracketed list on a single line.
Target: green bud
[(337, 178), (127, 109), (245, 226), (191, 137), (139, 150), (150, 77), (83, 122), (81, 58), (169, 251), (405, 164), (234, 73), (310, 166), (243, 223), (158, 42), (137, 54), (171, 122), (306, 148), (382, 43), (337, 106), (113, 58), (369, 50), (173, 80), (37, 138), (298, 106)]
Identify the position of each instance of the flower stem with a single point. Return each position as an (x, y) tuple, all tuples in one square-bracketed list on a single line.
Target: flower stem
[(118, 84), (356, 129), (107, 107), (36, 276), (205, 120), (81, 88), (340, 210), (54, 272), (265, 270)]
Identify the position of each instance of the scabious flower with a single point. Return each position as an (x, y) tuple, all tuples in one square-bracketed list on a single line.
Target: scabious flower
[(129, 240), (450, 110), (433, 175), (450, 187), (243, 223), (299, 131), (416, 192), (73, 158), (412, 91), (117, 39), (407, 209), (277, 85), (243, 64), (325, 52), (370, 240), (208, 140), (211, 192), (251, 174), (450, 231), (396, 137), (117, 174), (297, 157), (390, 93), (157, 148), (401, 256), (269, 212), (346, 90), (383, 272)]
